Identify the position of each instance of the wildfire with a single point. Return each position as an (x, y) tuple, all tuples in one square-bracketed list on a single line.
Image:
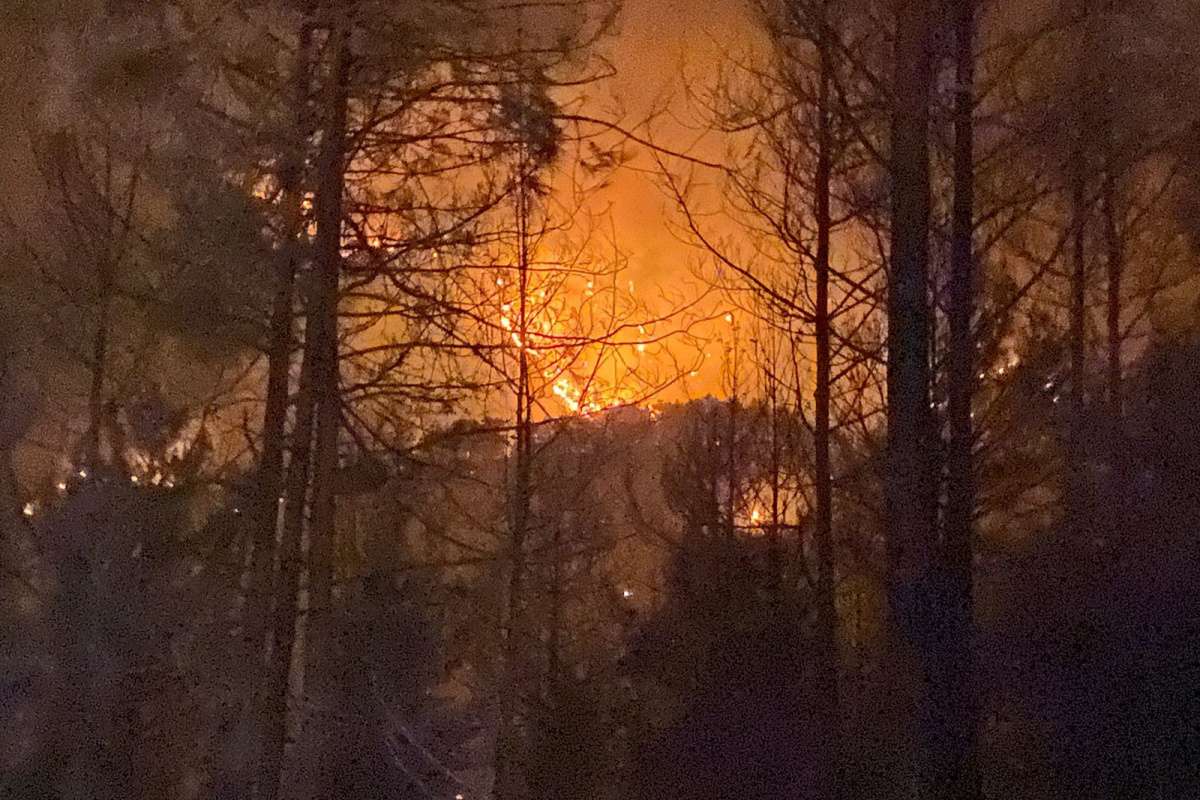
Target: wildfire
[(578, 401), (557, 351)]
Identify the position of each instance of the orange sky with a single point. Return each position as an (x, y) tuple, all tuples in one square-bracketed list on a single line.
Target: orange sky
[(660, 45)]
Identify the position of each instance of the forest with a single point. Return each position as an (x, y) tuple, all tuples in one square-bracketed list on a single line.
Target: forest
[(599, 400)]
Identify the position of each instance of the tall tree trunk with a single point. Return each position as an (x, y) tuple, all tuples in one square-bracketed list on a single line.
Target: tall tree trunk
[(314, 376), (99, 365), (958, 776), (116, 237), (826, 566), (777, 554), (554, 654), (509, 778), (1116, 269), (1115, 258), (1115, 266), (1106, 39), (273, 714), (911, 474), (279, 353), (1078, 342), (1078, 168), (731, 433), (327, 258), (105, 277)]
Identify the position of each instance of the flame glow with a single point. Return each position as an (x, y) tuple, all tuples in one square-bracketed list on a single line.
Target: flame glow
[(586, 403), (553, 336)]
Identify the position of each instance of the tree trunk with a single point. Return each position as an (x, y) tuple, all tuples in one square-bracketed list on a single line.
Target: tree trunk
[(273, 713), (314, 377), (279, 355), (731, 460), (826, 567), (778, 551), (958, 775), (331, 178), (910, 492), (554, 654), (509, 778), (1116, 270), (99, 369), (911, 471), (1076, 478)]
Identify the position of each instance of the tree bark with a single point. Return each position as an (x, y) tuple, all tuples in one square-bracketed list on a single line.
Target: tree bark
[(778, 551), (1116, 270), (1076, 478), (314, 377), (911, 471), (279, 354), (826, 564), (99, 368), (273, 713), (1078, 342), (329, 203), (509, 778), (910, 492), (958, 776)]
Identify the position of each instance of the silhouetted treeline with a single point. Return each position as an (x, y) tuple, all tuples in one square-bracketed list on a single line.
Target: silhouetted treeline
[(340, 459)]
